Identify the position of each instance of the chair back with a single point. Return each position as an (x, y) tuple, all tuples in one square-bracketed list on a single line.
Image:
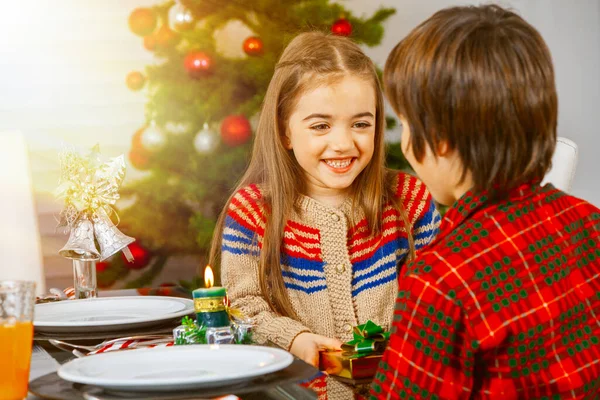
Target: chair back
[(564, 163)]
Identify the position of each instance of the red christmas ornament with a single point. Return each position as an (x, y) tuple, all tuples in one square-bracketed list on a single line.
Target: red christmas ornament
[(341, 27), (142, 21), (197, 64), (101, 266), (253, 46), (150, 42), (166, 38), (235, 130), (135, 80), (104, 282), (141, 256), (139, 159), (136, 139)]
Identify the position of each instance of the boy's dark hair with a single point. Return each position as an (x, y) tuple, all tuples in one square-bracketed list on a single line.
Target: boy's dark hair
[(480, 78)]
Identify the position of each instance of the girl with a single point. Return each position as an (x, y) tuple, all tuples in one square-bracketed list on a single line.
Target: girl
[(312, 237)]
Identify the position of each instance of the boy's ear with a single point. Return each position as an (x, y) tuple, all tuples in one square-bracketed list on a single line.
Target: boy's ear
[(443, 148)]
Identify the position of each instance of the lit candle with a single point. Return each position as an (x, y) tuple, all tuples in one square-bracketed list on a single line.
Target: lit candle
[(209, 302)]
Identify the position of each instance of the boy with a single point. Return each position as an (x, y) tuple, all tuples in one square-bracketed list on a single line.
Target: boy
[(505, 303)]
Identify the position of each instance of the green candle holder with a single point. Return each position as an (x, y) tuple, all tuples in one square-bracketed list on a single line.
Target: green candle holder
[(209, 305)]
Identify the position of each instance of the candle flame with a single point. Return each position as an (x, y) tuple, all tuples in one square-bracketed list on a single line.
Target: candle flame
[(209, 277)]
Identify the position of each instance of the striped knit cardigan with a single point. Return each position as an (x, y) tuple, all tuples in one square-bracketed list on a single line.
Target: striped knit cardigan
[(336, 275)]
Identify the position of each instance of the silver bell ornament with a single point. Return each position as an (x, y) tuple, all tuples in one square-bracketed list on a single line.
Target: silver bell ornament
[(90, 189), (110, 238), (80, 245)]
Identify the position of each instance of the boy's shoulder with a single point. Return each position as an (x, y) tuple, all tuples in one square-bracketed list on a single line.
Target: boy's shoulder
[(480, 245)]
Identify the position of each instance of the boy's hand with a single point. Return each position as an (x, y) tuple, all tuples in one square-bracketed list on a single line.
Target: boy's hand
[(306, 346)]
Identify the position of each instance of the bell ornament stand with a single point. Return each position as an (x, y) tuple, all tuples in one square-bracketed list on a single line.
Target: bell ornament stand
[(90, 189), (84, 279)]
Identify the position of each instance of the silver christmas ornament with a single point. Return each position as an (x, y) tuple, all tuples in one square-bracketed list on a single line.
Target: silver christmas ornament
[(80, 245), (109, 237), (205, 141), (152, 137)]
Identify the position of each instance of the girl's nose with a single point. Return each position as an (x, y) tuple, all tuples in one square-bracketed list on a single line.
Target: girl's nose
[(340, 140)]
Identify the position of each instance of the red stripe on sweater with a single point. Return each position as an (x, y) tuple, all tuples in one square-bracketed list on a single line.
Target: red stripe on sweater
[(313, 251), (377, 242), (252, 197)]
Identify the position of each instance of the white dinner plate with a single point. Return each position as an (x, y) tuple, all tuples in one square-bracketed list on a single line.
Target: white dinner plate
[(109, 313), (175, 368)]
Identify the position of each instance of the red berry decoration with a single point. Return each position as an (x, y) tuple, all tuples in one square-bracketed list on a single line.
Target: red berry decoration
[(139, 159), (253, 46), (235, 130), (198, 64), (142, 21), (141, 256), (341, 27), (135, 80)]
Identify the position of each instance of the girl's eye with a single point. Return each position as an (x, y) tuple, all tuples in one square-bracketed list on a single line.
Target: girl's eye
[(320, 127), (362, 125)]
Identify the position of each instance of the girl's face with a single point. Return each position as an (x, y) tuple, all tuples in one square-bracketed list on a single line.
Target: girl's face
[(332, 134)]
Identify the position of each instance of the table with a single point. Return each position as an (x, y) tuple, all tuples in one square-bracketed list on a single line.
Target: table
[(46, 359)]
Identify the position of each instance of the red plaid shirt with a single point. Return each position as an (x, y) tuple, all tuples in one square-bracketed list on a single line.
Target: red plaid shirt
[(504, 304)]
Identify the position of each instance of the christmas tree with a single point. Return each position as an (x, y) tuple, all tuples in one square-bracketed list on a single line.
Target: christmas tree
[(214, 62)]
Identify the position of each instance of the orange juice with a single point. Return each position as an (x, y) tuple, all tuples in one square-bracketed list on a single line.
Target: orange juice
[(15, 355)]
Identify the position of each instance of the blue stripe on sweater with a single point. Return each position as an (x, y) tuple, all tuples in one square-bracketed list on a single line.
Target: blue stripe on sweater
[(234, 225), (239, 245), (374, 284), (253, 251), (431, 217), (302, 278), (237, 239), (383, 251), (302, 263), (310, 290), (390, 265), (302, 282)]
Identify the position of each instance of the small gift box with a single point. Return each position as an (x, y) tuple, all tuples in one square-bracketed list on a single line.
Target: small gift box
[(359, 358)]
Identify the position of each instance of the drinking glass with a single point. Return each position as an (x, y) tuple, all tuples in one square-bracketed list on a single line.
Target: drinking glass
[(17, 299)]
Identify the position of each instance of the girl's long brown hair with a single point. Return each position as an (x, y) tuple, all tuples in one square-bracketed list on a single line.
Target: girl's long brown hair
[(309, 60)]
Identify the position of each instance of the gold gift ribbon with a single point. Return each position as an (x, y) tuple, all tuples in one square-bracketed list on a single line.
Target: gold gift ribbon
[(209, 304)]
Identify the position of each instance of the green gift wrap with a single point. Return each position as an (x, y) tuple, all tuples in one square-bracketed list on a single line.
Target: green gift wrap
[(359, 358)]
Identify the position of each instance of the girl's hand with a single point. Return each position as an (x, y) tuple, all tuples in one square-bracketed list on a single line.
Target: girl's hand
[(306, 346)]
